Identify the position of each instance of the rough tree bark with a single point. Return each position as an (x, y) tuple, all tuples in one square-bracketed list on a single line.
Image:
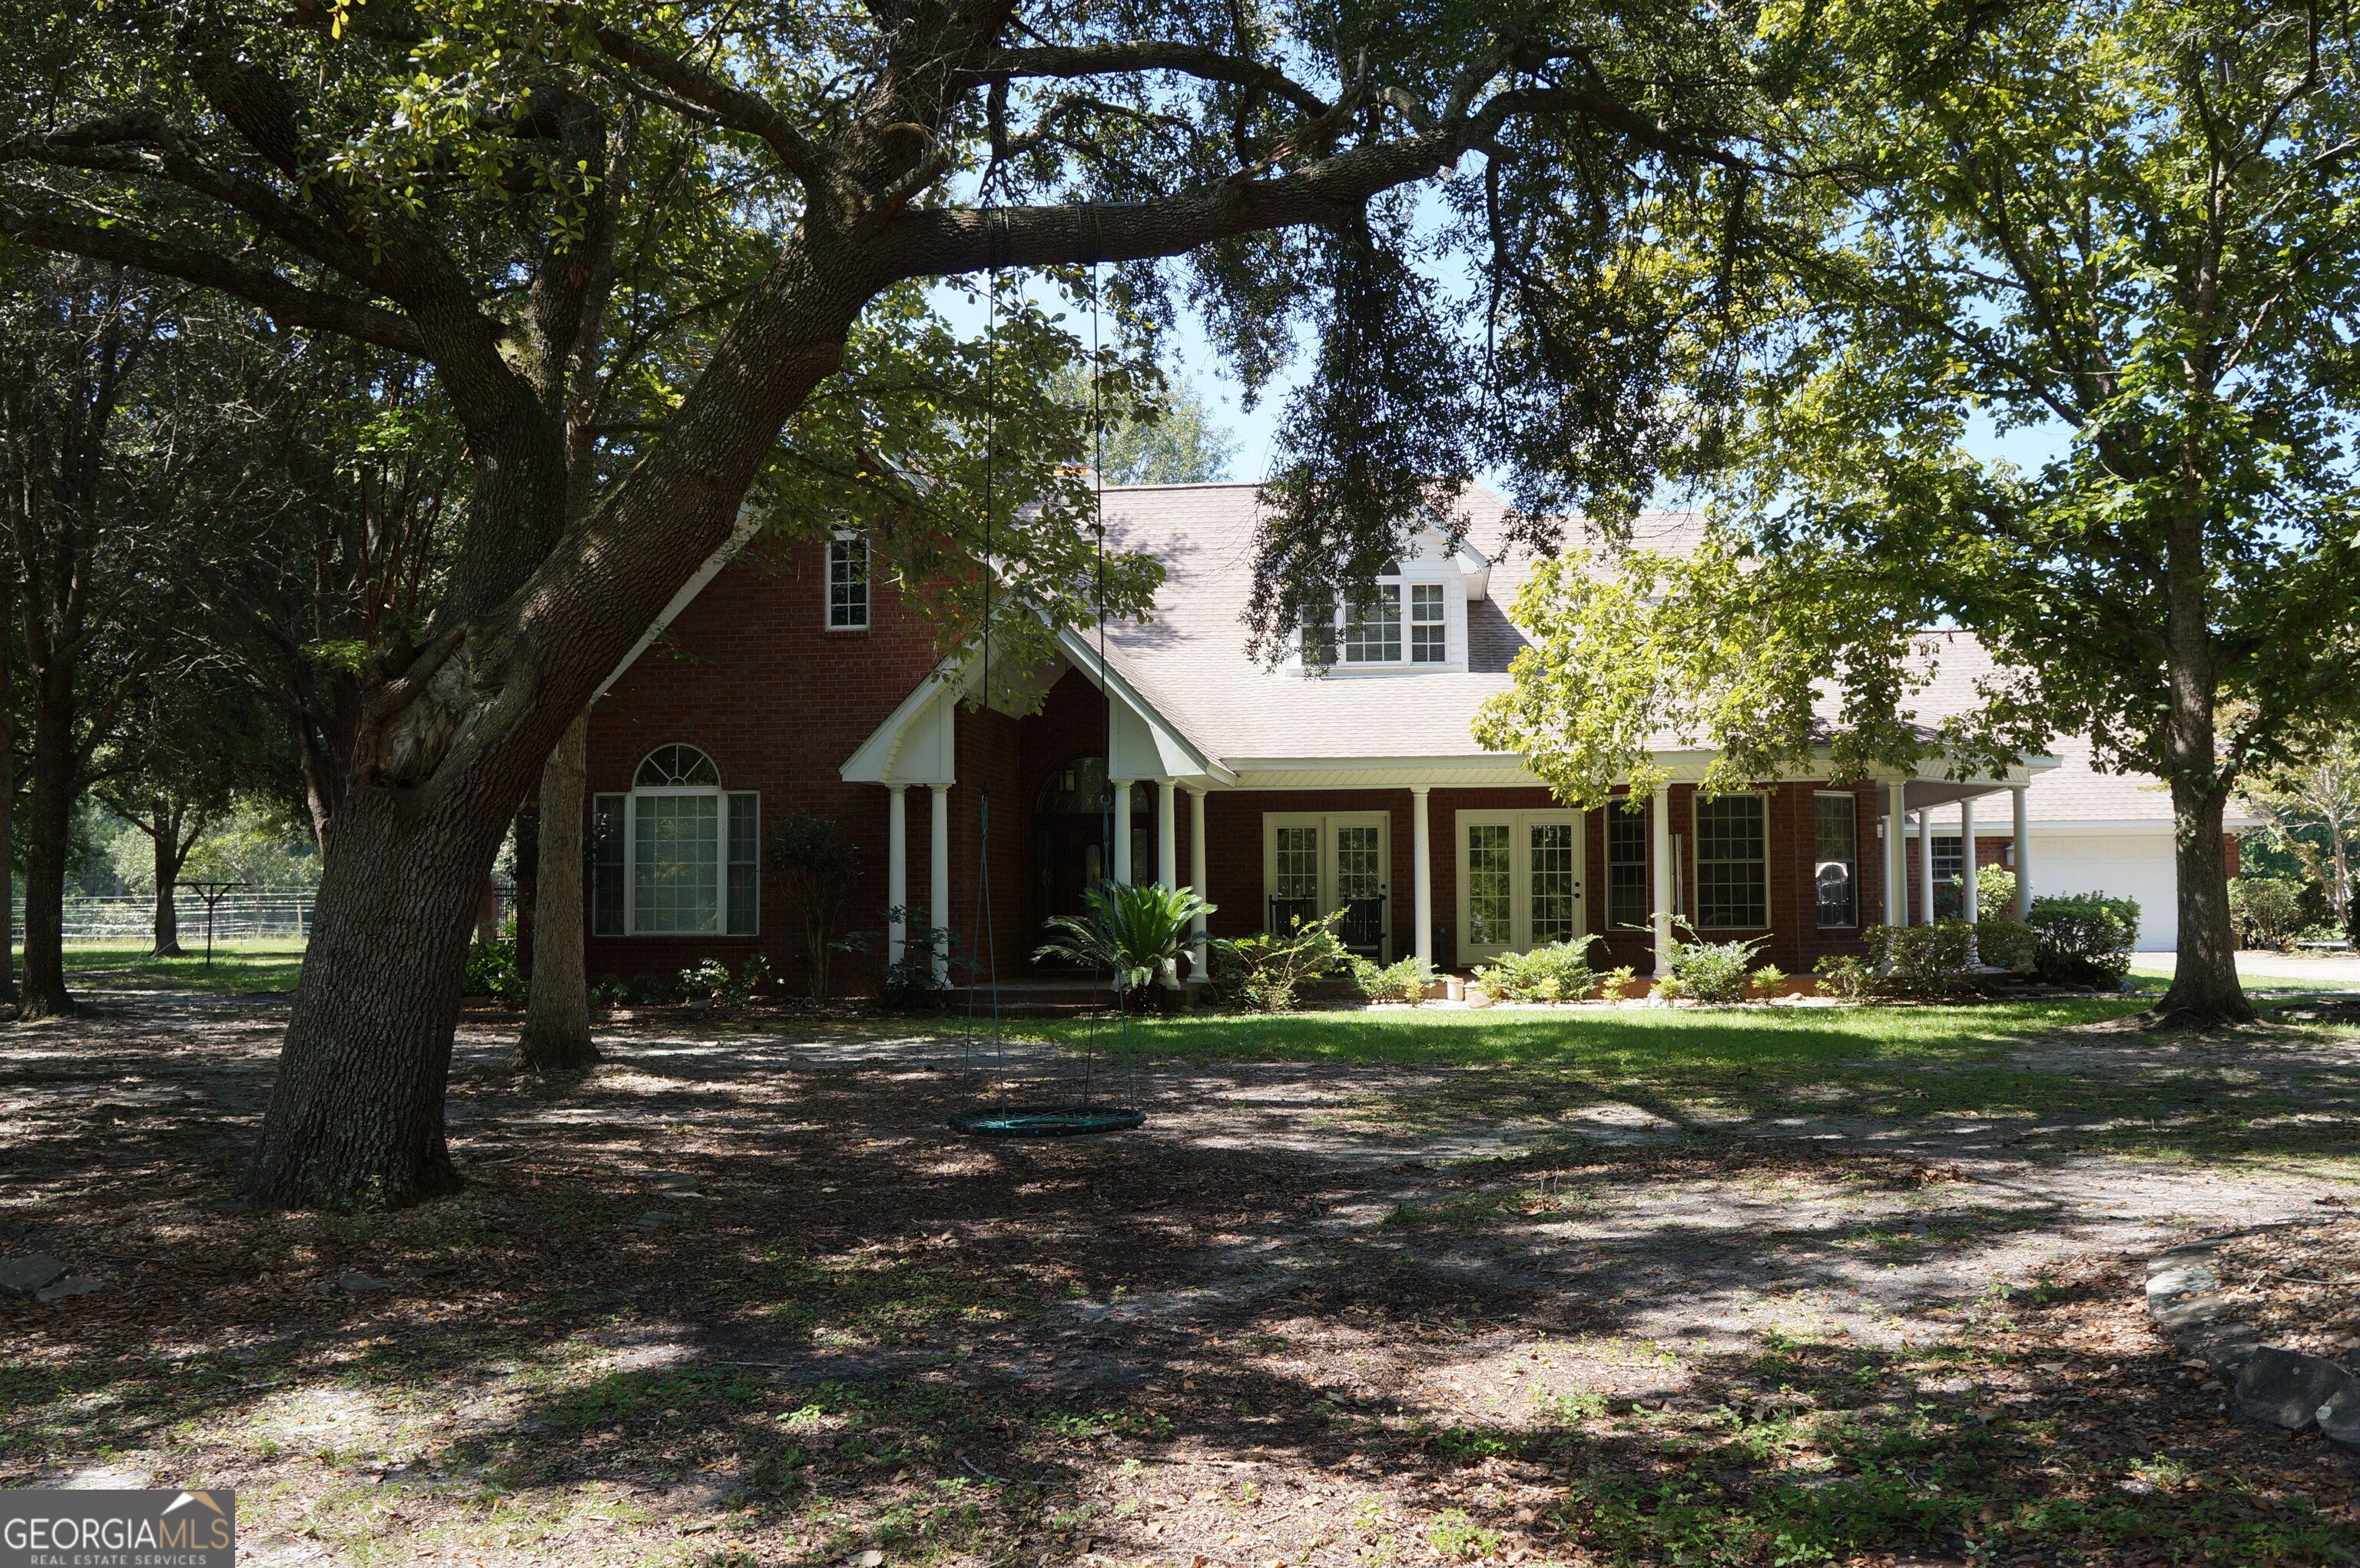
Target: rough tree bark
[(2204, 986), (171, 854), (48, 810), (7, 792), (557, 1024)]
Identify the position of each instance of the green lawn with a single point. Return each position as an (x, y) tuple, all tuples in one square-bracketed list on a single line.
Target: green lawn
[(244, 966), (1709, 1069)]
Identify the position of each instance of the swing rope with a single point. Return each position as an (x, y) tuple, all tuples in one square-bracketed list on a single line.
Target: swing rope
[(1053, 1121)]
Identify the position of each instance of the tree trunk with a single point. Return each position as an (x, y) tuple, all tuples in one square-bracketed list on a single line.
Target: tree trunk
[(355, 1113), (524, 837), (2204, 985), (168, 860), (7, 793), (557, 1023), (47, 835)]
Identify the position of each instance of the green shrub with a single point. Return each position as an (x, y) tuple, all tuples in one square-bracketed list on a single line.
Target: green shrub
[(1766, 980), (1556, 973), (1711, 971), (818, 870), (2008, 944), (1922, 961), (1847, 976), (492, 971), (1618, 983), (1994, 894), (1138, 930), (2085, 938), (1264, 972), (1403, 981), (710, 980), (2269, 910)]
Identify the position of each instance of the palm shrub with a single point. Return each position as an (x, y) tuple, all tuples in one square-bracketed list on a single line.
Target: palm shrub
[(2085, 938), (1559, 972), (1138, 930), (819, 867), (1264, 972)]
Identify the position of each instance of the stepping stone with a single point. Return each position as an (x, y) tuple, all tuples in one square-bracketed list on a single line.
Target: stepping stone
[(353, 1279), (657, 1220), (24, 1276), (72, 1285), (674, 1181)]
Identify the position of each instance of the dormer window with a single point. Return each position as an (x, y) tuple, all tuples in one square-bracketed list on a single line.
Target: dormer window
[(1411, 619)]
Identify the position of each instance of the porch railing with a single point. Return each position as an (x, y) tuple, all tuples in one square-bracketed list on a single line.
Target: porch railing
[(1362, 929)]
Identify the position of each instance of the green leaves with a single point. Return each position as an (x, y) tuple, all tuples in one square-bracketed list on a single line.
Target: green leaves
[(1137, 931)]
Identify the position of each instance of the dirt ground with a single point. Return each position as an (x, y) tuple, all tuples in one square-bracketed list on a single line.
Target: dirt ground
[(741, 1298)]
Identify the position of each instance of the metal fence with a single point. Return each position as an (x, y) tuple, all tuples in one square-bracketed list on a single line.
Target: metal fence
[(285, 915)]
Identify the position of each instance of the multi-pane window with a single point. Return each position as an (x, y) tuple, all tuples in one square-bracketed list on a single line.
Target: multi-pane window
[(1836, 840), (1949, 866), (675, 863), (606, 864), (1372, 634), (1626, 867), (1732, 878), (1299, 865), (1359, 869), (1553, 887), (677, 856), (1491, 884), (1429, 634), (848, 583)]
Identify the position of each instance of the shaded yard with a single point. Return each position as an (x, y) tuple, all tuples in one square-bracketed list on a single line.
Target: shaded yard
[(1367, 1289)]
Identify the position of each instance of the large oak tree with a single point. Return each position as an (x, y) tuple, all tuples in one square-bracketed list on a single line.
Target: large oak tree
[(425, 178)]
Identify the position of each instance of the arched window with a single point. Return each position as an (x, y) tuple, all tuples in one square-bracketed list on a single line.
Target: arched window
[(677, 856)]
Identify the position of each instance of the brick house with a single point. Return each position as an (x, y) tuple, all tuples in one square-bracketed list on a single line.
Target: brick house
[(1162, 751)]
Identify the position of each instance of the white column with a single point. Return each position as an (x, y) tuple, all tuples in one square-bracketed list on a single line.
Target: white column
[(1421, 838), (1122, 788), (1199, 959), (1925, 865), (938, 850), (897, 872), (1967, 861), (2022, 854), (1167, 833), (1897, 854), (1660, 830)]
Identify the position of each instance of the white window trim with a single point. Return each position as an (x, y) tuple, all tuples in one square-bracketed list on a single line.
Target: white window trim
[(827, 620), (1328, 822), (1520, 876), (1454, 629), (1769, 883), (1816, 796), (720, 798)]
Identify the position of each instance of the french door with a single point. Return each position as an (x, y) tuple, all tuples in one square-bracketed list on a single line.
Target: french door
[(1315, 862), (1520, 881)]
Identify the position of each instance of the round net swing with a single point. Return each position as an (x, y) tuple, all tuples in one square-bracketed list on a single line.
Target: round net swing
[(1071, 1104)]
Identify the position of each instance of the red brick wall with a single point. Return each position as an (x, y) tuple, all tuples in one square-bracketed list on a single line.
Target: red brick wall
[(750, 674)]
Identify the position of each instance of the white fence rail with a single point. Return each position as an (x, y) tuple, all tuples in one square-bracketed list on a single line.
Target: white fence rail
[(237, 916)]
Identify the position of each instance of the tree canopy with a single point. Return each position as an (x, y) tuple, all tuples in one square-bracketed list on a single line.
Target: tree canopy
[(2128, 224)]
